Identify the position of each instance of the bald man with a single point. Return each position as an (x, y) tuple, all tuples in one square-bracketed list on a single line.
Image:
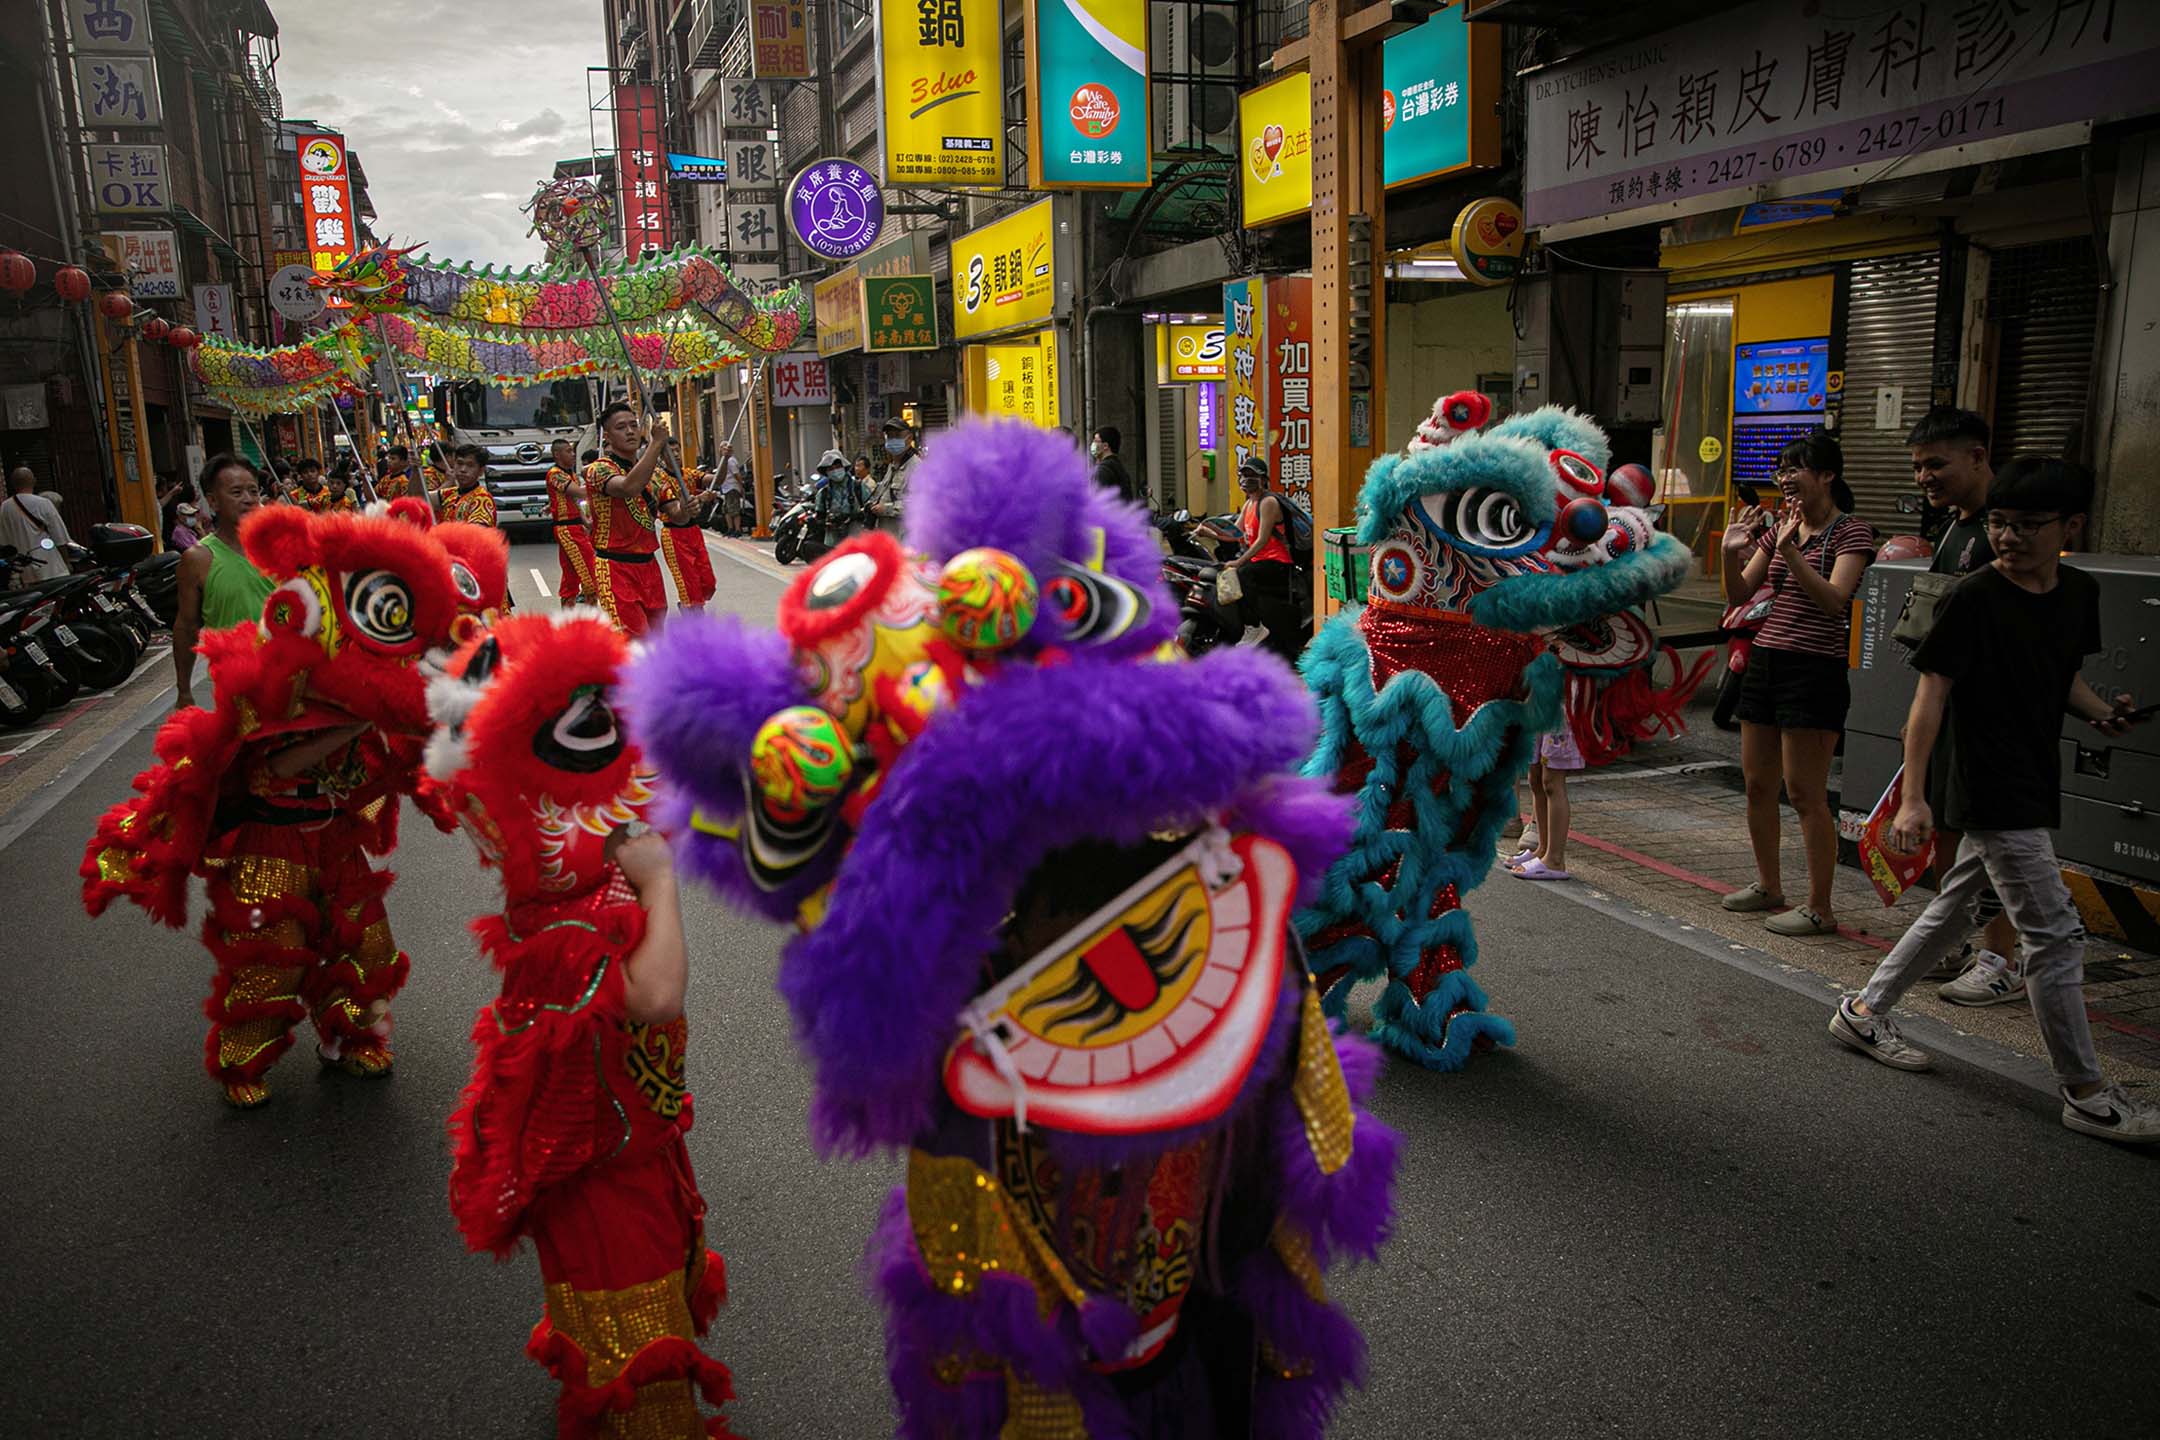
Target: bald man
[(32, 524)]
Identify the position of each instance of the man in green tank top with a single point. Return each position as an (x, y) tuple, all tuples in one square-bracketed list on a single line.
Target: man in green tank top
[(219, 585)]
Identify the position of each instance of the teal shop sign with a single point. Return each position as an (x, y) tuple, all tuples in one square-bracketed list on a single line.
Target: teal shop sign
[(1429, 106), (1087, 94)]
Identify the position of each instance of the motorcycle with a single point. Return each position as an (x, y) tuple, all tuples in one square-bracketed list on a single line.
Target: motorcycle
[(802, 534), (1197, 549), (31, 632)]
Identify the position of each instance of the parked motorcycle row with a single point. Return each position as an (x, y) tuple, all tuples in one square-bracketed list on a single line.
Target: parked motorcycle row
[(86, 631)]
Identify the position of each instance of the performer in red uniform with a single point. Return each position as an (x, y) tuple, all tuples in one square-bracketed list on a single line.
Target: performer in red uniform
[(566, 512), (277, 794), (625, 533), (470, 503), (571, 1131), (682, 545)]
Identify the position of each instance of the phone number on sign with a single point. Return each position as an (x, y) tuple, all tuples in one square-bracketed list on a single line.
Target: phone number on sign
[(1891, 135)]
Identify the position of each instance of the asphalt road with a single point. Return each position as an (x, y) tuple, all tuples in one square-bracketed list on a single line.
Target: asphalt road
[(1675, 1209)]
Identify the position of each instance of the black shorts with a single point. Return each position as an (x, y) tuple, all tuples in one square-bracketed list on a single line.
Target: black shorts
[(1794, 690)]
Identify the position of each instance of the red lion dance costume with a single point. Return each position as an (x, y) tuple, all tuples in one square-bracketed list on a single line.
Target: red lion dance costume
[(571, 1130), (296, 922)]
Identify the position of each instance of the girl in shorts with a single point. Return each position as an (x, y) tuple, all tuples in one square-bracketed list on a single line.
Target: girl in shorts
[(1557, 756), (1794, 695)]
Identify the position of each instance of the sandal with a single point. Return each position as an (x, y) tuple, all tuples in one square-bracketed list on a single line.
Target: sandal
[(1535, 869), (1800, 920), (1752, 899)]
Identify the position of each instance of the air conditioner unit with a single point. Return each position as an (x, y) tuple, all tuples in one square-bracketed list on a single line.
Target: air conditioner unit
[(1199, 45)]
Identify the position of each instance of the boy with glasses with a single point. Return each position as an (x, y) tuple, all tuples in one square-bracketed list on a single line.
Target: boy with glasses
[(2000, 667)]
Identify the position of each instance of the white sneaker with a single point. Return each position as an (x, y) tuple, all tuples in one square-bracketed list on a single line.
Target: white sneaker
[(1254, 635), (2112, 1115), (1991, 979), (1952, 966), (1877, 1036)]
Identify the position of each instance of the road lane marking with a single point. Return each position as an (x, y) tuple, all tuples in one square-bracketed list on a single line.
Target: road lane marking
[(539, 579)]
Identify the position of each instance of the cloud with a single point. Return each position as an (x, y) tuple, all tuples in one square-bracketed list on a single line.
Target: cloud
[(454, 134)]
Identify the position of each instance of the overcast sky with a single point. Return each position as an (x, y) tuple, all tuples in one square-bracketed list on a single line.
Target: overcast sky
[(457, 110)]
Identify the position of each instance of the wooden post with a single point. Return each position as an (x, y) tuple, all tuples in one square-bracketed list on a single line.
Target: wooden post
[(758, 396), (127, 424)]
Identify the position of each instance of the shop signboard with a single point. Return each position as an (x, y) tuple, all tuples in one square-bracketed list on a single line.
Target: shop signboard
[(107, 26), (697, 169), (1020, 377), (753, 230), (1207, 400), (1778, 99), (1087, 92), (1275, 137), (907, 254), (1245, 386), (745, 105), (1437, 86), (1005, 275), (641, 170), (836, 302), (129, 179), (835, 208), (1289, 363), (941, 101), (1488, 241), (118, 91), (899, 313), (214, 311), (151, 259), (780, 39), (799, 379), (1186, 352)]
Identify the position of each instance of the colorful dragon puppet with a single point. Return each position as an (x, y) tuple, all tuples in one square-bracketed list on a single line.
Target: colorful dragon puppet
[(571, 1131), (277, 795), (1043, 880), (1485, 544)]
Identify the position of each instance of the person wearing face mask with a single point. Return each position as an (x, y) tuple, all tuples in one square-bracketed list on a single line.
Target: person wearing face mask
[(1110, 471), (888, 501), (839, 502)]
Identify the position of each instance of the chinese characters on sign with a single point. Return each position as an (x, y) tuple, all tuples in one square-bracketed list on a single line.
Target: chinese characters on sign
[(1289, 337), (1020, 378), (214, 311), (1005, 274), (1275, 136), (129, 179), (118, 90), (751, 164), (1436, 112), (1207, 400), (779, 40), (836, 302), (110, 25), (1087, 93), (641, 171), (799, 380), (753, 230), (900, 313), (1187, 352), (745, 105), (835, 209), (326, 217), (151, 259), (1775, 92), (1244, 389), (942, 120)]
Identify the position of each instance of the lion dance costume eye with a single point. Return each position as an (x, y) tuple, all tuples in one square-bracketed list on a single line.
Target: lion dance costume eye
[(1042, 881)]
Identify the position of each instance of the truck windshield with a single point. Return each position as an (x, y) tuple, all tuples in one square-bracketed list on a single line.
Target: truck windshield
[(560, 405)]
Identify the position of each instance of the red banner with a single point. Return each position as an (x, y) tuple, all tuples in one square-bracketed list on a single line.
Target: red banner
[(641, 170), (328, 227), (1289, 363)]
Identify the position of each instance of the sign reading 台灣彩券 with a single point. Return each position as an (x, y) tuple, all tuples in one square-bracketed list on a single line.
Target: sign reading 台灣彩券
[(899, 313), (1436, 99), (799, 380), (1087, 94), (1245, 387), (1777, 99), (151, 259), (1275, 139), (836, 303), (780, 39), (941, 119), (1005, 275)]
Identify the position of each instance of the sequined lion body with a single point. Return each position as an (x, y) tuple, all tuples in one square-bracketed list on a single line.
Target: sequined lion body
[(1042, 879), (1485, 544)]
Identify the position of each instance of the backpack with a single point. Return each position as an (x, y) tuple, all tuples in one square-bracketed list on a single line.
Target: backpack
[(1300, 523)]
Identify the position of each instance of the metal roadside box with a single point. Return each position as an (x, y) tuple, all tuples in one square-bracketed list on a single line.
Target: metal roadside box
[(1345, 565), (2110, 786)]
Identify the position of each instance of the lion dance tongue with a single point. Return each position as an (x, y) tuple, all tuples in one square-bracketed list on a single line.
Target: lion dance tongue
[(1486, 545), (1042, 880)]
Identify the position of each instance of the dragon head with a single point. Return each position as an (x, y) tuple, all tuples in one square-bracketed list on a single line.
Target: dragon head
[(371, 279), (1517, 525), (946, 758), (528, 752)]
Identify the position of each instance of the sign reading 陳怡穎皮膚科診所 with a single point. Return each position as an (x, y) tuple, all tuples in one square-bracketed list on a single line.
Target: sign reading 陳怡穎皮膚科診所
[(1778, 98)]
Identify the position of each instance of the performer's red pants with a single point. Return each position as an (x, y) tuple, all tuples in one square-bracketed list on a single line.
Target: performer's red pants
[(575, 543), (689, 564), (630, 591)]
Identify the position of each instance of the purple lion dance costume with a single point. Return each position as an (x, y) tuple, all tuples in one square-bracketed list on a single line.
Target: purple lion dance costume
[(1042, 877)]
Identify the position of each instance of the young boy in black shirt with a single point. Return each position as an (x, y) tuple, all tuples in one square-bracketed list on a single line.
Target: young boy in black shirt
[(1999, 668)]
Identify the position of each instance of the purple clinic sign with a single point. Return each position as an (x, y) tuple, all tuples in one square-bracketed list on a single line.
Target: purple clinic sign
[(1731, 108), (835, 208)]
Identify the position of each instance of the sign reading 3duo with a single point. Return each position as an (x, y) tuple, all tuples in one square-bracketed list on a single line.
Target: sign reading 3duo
[(1087, 94), (941, 117)]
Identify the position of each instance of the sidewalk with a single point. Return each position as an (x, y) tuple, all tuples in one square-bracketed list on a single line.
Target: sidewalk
[(1667, 829)]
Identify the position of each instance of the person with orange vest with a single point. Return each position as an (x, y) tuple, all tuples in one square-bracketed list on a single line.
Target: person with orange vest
[(470, 502), (625, 532), (566, 512), (682, 543)]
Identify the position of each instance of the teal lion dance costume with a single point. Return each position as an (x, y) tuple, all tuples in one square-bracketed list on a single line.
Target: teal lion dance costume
[(1486, 544)]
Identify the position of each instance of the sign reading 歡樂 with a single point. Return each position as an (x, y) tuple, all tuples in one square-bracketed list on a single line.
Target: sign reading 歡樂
[(129, 179), (799, 380), (151, 259), (1004, 276), (1185, 352), (641, 171), (326, 219), (1436, 99), (780, 39), (1275, 137), (1087, 94), (1775, 95), (942, 120), (899, 312), (117, 90), (836, 303), (835, 208)]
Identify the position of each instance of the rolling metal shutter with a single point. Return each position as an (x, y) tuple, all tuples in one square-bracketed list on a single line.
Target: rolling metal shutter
[(2044, 301), (1889, 341)]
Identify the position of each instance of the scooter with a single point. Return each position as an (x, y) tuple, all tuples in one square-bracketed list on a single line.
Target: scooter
[(802, 534), (31, 631)]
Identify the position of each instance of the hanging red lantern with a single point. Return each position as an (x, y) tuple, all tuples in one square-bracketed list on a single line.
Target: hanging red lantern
[(116, 305), (72, 282), (182, 338), (18, 272), (155, 327)]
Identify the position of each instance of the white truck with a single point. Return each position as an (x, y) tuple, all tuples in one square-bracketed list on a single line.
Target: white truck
[(517, 424)]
